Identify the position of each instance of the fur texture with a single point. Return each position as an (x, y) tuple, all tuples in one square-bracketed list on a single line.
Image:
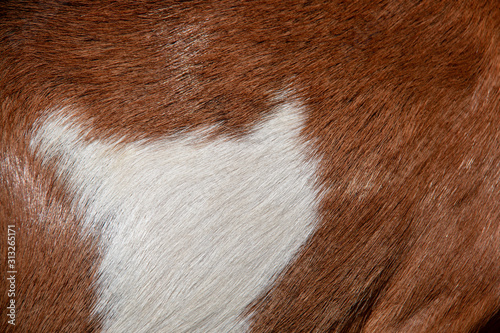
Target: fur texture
[(281, 166), (191, 230)]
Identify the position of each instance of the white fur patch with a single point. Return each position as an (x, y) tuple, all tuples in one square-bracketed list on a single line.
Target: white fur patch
[(192, 230)]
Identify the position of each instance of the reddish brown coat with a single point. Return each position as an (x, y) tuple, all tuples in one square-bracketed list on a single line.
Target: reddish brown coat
[(404, 107)]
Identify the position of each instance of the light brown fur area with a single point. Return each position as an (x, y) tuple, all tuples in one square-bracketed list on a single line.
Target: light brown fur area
[(55, 267), (403, 110)]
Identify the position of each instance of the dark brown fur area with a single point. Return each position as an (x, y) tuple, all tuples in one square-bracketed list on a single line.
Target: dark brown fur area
[(403, 105)]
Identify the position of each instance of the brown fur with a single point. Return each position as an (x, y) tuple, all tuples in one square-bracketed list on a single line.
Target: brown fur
[(403, 102), (55, 267)]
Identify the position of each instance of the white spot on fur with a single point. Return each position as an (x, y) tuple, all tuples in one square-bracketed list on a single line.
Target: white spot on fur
[(194, 230)]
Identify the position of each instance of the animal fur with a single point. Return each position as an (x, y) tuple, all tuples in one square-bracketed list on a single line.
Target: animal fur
[(261, 166)]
